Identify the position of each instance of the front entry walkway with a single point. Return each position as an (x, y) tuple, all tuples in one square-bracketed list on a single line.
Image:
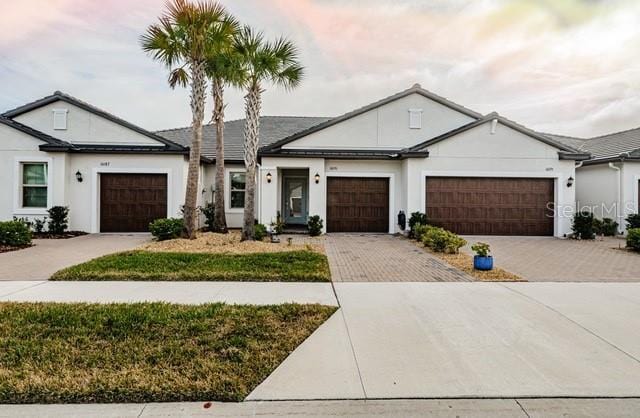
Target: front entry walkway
[(384, 258)]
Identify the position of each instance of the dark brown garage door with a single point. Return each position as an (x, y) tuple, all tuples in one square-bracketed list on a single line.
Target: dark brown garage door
[(491, 206), (357, 204), (128, 202)]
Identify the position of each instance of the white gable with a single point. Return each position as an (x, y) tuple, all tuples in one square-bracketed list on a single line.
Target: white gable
[(14, 140), (391, 126), (82, 127), (479, 142)]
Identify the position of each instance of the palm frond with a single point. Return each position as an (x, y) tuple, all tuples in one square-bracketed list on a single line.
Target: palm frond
[(178, 77)]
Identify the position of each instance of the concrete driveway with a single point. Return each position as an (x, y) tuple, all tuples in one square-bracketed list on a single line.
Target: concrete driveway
[(444, 340), (564, 260), (50, 255)]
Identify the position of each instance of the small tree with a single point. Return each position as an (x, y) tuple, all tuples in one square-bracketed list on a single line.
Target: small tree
[(583, 225), (260, 62), (58, 219)]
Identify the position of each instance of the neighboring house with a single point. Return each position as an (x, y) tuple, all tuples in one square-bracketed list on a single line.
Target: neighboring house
[(609, 182), (413, 151)]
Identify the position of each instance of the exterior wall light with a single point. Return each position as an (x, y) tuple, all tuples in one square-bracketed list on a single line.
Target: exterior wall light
[(268, 177), (79, 176), (570, 181), (317, 177)]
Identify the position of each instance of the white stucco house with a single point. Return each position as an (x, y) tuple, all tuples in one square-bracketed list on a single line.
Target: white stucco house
[(412, 151), (609, 182)]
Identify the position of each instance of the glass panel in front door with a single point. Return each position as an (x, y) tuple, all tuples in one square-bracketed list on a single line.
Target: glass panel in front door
[(296, 209)]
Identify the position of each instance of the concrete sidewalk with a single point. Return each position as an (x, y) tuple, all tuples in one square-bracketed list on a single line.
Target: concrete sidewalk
[(489, 408), (451, 340), (253, 293)]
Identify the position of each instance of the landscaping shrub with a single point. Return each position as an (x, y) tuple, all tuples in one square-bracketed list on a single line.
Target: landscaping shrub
[(419, 230), (164, 229), (633, 221), (208, 211), (481, 249), (416, 218), (315, 225), (15, 234), (441, 240), (583, 225), (606, 226), (259, 232), (633, 239), (58, 219), (278, 225), (38, 225)]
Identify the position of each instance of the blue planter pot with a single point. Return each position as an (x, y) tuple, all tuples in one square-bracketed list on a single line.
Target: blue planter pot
[(482, 263)]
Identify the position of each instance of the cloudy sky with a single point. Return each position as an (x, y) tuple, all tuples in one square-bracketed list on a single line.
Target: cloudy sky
[(562, 66)]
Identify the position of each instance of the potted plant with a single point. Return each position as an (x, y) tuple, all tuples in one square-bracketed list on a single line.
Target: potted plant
[(482, 260)]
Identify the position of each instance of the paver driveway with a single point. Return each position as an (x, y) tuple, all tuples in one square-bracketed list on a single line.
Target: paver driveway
[(564, 260), (50, 255), (384, 258)]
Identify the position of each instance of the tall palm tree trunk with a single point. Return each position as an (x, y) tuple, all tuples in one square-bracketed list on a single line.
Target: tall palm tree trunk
[(198, 95), (219, 217), (253, 102)]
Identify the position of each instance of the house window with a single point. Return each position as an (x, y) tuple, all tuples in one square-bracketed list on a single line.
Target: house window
[(415, 118), (60, 119), (34, 185), (237, 180)]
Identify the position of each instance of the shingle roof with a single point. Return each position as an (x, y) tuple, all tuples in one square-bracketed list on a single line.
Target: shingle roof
[(60, 96), (272, 129), (609, 146)]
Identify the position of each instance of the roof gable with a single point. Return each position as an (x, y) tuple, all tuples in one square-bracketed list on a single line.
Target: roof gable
[(62, 97), (564, 150), (47, 139), (414, 90)]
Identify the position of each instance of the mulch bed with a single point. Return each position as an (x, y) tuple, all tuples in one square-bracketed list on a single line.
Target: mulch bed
[(66, 235), (8, 248)]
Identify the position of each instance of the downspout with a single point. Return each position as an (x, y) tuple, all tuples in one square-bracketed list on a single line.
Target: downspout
[(259, 184), (619, 194)]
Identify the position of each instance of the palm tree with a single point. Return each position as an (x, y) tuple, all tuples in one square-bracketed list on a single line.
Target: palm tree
[(222, 70), (186, 35), (260, 62)]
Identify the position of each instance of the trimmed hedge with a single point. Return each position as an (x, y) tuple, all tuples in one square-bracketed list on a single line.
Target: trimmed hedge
[(633, 221), (583, 225), (417, 218), (165, 229), (15, 234), (633, 239), (442, 241)]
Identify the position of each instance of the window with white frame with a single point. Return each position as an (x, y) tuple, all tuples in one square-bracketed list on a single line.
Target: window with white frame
[(237, 182), (34, 184)]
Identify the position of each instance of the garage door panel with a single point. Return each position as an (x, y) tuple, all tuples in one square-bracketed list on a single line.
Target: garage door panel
[(491, 206), (357, 204), (129, 202)]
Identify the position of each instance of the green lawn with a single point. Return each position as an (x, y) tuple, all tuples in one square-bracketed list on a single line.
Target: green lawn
[(149, 352), (292, 266)]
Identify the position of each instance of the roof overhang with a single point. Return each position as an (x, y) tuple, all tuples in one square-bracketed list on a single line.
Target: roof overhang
[(345, 154)]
